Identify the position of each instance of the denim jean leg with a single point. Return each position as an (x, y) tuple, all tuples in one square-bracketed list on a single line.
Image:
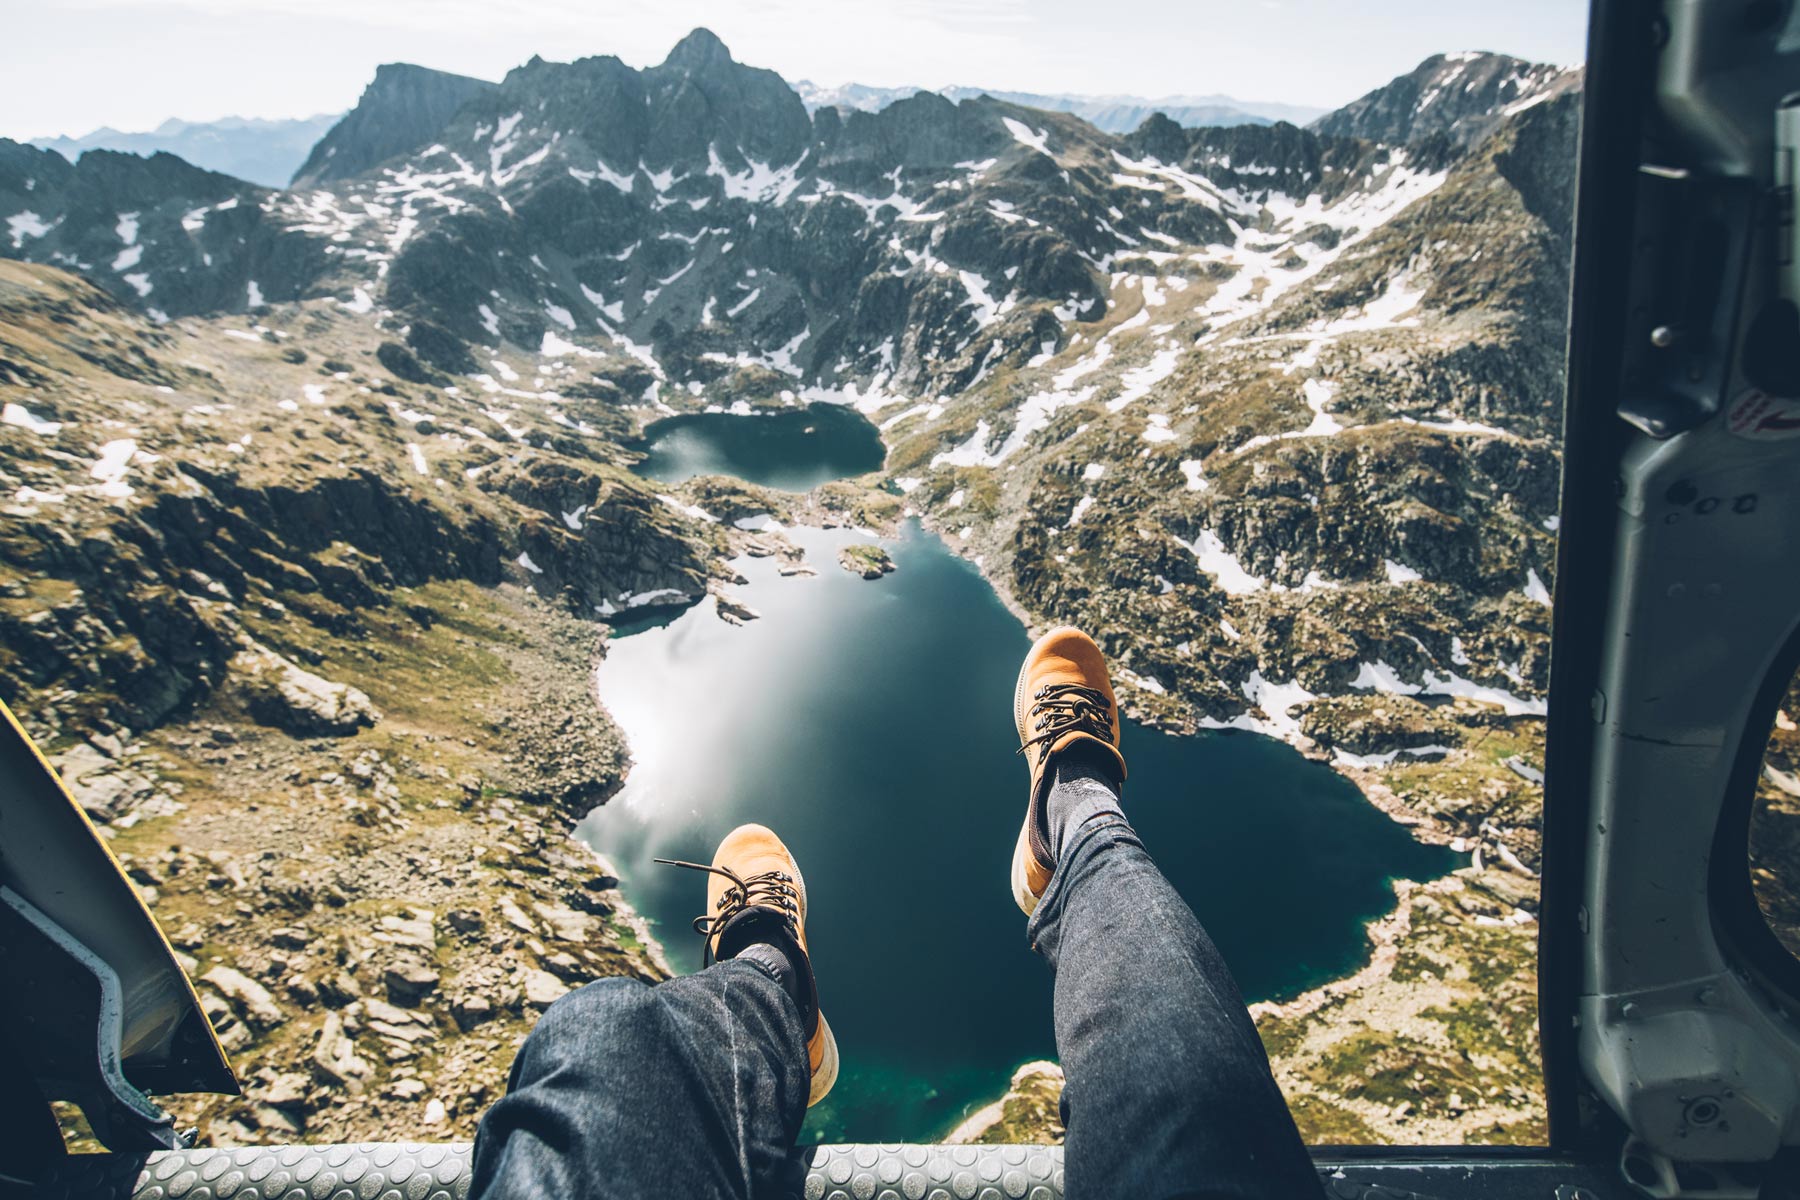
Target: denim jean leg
[(1168, 1088), (693, 1087)]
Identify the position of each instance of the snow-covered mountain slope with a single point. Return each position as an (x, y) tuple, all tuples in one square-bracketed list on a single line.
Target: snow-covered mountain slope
[(1287, 357), (1318, 460), (263, 152), (156, 232), (1464, 96)]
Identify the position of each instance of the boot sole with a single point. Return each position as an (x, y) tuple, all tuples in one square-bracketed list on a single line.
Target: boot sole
[(826, 1075), (1023, 896)]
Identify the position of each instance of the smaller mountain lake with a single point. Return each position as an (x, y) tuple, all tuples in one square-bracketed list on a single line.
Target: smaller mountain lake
[(869, 723), (793, 449)]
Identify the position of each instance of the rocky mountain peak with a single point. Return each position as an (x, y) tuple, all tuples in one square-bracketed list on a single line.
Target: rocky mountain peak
[(701, 97), (699, 51), (1464, 96), (400, 111), (698, 106)]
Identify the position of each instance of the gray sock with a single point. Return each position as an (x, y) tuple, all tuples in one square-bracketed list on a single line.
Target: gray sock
[(770, 957), (761, 936), (1082, 788)]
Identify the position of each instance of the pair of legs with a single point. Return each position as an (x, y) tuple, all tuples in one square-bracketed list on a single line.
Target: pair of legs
[(698, 1086)]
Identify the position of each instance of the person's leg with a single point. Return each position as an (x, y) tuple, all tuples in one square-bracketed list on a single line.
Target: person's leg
[(1168, 1089), (693, 1087)]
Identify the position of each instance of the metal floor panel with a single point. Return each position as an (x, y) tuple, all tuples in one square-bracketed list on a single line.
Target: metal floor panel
[(420, 1171)]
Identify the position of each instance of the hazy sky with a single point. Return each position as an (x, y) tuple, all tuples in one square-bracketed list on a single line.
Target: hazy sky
[(68, 66)]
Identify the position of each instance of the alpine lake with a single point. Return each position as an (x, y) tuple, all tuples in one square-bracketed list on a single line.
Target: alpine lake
[(868, 723)]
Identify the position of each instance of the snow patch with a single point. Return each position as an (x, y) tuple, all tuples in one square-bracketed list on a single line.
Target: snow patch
[(757, 181), (1317, 394), (972, 452), (1379, 676), (1227, 572), (1138, 381), (112, 466), (1535, 589), (24, 418), (746, 302), (1277, 700), (1026, 136), (24, 225), (689, 510)]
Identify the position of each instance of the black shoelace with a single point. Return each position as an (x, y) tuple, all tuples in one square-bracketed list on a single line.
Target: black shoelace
[(771, 889), (1067, 708)]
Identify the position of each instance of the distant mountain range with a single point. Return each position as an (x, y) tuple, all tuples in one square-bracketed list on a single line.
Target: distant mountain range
[(414, 101), (273, 153), (263, 152), (1109, 114), (590, 197)]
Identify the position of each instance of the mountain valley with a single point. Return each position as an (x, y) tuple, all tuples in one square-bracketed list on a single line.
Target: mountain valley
[(309, 492)]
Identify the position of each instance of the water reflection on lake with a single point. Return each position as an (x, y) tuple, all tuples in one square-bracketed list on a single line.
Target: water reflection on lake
[(868, 722)]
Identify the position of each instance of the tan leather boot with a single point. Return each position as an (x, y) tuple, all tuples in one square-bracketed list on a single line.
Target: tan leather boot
[(1063, 696), (752, 869)]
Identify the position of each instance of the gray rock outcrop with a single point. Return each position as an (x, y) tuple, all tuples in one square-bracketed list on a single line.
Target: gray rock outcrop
[(281, 693)]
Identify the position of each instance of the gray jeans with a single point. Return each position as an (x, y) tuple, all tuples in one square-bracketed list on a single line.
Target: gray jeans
[(697, 1086)]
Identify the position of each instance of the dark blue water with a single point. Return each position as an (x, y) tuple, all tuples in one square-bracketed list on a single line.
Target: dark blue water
[(869, 724), (794, 450)]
